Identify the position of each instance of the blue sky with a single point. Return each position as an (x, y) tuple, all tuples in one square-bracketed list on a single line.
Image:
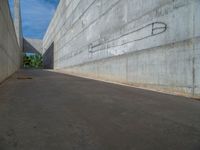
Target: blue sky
[(36, 16)]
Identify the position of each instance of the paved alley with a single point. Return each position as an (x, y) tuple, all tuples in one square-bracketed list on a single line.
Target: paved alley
[(43, 110)]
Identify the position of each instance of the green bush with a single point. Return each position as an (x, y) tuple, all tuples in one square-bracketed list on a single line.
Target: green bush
[(33, 61)]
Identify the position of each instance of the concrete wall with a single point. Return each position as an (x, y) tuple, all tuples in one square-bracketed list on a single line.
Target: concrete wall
[(148, 43), (48, 58), (18, 22), (32, 45), (10, 52)]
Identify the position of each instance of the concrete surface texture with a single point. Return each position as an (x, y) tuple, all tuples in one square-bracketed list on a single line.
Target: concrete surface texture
[(10, 52), (85, 114), (32, 45), (18, 22), (48, 58), (147, 43)]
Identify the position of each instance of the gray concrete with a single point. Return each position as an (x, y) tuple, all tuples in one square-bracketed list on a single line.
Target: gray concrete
[(18, 22), (32, 45), (60, 112), (10, 52), (48, 58), (147, 43)]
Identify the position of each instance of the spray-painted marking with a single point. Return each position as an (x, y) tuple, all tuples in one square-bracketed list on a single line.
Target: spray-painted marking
[(142, 33)]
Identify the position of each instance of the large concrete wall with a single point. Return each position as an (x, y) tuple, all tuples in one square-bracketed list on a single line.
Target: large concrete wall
[(48, 58), (147, 43), (32, 45), (10, 52), (18, 22)]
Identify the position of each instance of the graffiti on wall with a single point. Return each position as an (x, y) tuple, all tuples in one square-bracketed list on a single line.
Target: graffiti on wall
[(145, 32)]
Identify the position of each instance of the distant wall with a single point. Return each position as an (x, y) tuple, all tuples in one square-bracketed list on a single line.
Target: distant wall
[(32, 45), (48, 58), (10, 52), (147, 43)]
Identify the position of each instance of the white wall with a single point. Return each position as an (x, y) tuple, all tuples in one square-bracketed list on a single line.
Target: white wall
[(148, 43), (10, 53)]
